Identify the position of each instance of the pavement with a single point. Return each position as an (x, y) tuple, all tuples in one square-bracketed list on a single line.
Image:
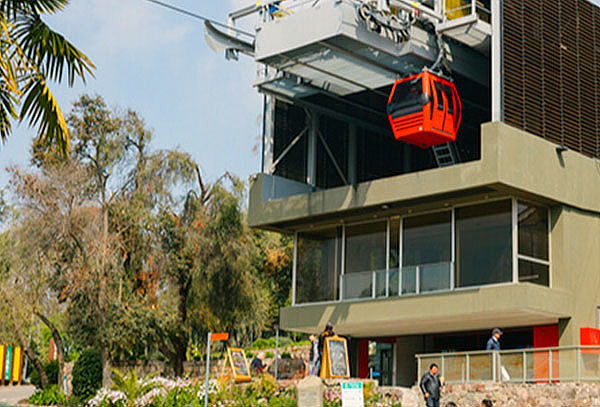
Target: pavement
[(11, 395)]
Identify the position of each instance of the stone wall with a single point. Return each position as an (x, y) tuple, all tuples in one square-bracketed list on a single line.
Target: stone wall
[(523, 395)]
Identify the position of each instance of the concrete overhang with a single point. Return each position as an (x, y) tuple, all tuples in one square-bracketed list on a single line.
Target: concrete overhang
[(512, 162), (510, 305)]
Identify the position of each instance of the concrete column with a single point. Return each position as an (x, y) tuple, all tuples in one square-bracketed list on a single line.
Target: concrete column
[(268, 134), (352, 155), (311, 161)]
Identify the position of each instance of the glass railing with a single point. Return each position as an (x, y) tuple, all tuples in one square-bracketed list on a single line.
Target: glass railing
[(411, 280), (541, 365)]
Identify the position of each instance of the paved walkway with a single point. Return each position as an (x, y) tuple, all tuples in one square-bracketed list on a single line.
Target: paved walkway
[(11, 395)]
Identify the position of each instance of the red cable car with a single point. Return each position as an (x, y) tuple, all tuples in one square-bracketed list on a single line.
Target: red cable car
[(424, 110)]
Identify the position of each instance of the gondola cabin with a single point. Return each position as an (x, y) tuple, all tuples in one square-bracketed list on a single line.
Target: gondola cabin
[(424, 110)]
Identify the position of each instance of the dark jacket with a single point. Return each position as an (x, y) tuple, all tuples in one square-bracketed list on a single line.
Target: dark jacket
[(431, 384), (492, 344), (324, 335)]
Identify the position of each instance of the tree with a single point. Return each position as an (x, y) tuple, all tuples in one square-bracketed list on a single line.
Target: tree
[(31, 54)]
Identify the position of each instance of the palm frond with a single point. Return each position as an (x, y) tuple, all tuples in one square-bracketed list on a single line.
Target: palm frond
[(51, 51), (41, 110), (13, 7), (8, 112)]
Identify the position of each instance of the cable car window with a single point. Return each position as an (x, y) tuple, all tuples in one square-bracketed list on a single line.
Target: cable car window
[(407, 98), (448, 92), (440, 98)]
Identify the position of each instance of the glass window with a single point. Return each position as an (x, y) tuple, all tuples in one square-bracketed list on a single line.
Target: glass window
[(365, 253), (533, 231), (394, 243), (484, 244), (530, 272), (427, 239), (407, 98), (318, 268), (365, 247)]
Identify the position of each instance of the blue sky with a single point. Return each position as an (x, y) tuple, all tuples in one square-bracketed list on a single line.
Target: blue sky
[(157, 62)]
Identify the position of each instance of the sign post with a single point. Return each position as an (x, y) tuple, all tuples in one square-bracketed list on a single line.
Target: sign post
[(211, 337)]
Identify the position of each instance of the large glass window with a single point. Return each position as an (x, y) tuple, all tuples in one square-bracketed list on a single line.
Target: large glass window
[(365, 254), (427, 239), (318, 265), (534, 266), (484, 244)]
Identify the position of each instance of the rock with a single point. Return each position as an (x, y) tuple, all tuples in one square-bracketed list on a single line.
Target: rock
[(310, 392)]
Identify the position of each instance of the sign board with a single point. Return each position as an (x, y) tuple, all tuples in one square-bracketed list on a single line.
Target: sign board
[(219, 337), (239, 365), (17, 365), (335, 358), (8, 362), (353, 394)]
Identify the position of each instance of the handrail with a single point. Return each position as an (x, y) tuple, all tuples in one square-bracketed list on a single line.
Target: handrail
[(528, 365)]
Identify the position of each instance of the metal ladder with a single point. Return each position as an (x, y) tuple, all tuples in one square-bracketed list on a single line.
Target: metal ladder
[(445, 155)]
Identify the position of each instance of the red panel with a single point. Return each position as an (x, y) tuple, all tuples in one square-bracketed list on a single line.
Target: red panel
[(589, 336), (545, 336), (363, 358)]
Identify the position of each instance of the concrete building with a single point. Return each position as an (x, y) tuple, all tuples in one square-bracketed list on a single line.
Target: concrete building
[(405, 253)]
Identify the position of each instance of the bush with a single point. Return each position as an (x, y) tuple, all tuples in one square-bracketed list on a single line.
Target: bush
[(286, 355), (51, 369), (50, 396), (269, 355), (87, 374), (249, 355)]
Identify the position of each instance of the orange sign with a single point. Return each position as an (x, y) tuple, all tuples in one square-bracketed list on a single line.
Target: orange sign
[(219, 336)]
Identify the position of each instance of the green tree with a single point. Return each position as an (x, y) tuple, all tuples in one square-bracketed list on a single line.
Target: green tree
[(31, 54)]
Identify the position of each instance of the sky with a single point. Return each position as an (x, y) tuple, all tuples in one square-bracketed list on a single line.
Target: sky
[(156, 62)]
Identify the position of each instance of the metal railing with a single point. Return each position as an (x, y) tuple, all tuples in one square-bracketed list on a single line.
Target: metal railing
[(541, 365), (411, 280), (466, 8)]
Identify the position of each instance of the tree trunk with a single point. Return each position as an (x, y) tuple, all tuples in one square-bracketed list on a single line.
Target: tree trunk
[(60, 345), (33, 357), (106, 373)]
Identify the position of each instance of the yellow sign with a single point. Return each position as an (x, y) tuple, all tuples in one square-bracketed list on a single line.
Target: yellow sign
[(17, 365), (335, 363), (2, 361), (239, 365)]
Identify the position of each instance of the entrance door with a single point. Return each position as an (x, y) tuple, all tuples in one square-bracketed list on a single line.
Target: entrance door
[(381, 362)]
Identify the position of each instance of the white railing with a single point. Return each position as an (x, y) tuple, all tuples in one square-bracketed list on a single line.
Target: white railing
[(541, 365), (411, 280)]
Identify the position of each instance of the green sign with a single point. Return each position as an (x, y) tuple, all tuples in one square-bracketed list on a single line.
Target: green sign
[(8, 363)]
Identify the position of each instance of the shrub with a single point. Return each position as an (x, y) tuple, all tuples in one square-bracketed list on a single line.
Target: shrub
[(286, 355), (269, 355), (249, 355), (50, 396), (51, 369), (87, 374)]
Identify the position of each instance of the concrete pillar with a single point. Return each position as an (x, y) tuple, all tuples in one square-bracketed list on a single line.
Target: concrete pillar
[(268, 134), (311, 161), (406, 364), (352, 155)]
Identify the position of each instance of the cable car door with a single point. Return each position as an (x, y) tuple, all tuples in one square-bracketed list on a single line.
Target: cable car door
[(438, 118)]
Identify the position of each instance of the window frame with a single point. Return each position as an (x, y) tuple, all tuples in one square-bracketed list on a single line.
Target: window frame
[(400, 219)]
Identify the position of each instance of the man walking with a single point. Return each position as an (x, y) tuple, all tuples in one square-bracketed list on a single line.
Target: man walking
[(431, 387), (494, 342)]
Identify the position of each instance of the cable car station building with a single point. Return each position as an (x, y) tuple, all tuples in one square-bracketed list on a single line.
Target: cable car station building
[(411, 250)]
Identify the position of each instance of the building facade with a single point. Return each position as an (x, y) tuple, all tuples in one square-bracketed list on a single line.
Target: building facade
[(405, 256)]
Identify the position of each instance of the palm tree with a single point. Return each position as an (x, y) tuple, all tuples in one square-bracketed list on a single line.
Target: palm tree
[(31, 54)]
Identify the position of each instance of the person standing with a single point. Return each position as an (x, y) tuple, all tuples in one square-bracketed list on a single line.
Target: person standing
[(431, 386), (494, 342), (314, 363), (327, 333), (258, 366)]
